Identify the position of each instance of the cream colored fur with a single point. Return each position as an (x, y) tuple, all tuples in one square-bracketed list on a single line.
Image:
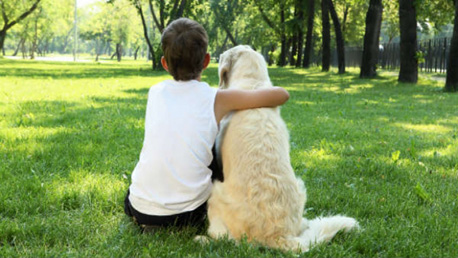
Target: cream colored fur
[(260, 198)]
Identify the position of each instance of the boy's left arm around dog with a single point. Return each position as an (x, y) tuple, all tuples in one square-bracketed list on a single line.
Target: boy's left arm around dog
[(235, 99)]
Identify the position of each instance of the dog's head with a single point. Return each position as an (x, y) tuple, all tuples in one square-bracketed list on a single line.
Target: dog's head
[(241, 62)]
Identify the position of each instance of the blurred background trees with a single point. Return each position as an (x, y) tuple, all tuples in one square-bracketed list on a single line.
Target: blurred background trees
[(287, 32)]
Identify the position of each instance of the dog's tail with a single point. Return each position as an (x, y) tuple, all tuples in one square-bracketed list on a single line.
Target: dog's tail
[(322, 230)]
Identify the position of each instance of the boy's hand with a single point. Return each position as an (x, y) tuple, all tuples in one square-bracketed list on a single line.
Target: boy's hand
[(232, 99)]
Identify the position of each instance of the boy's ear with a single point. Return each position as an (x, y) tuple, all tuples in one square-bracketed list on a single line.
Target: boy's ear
[(225, 64), (206, 60), (164, 63)]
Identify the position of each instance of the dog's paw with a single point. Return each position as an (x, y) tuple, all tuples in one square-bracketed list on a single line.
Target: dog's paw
[(203, 240)]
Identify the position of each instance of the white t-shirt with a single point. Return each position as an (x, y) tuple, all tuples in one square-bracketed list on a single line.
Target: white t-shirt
[(172, 175)]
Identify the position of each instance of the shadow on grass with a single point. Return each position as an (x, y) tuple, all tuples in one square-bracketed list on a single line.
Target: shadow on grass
[(69, 70)]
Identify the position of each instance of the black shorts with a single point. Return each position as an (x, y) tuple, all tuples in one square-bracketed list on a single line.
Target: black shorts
[(195, 218)]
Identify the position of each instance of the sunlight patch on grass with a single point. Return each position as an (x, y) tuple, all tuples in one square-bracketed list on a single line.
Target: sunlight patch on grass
[(304, 102), (450, 150), (83, 187), (424, 128), (319, 155), (32, 132)]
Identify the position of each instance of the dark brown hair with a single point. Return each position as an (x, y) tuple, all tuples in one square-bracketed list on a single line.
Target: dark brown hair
[(184, 43)]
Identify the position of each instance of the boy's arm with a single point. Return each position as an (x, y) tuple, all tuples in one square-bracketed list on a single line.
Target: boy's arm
[(231, 99)]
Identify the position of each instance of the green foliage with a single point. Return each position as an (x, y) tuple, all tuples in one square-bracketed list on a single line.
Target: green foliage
[(354, 26), (435, 12), (54, 20), (71, 133), (13, 9)]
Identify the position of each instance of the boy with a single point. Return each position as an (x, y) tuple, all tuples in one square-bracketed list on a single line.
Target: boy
[(172, 181)]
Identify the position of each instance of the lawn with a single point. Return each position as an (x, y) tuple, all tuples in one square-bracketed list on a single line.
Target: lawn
[(71, 133)]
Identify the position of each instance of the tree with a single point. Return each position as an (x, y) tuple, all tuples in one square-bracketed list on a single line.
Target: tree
[(326, 36), (309, 37), (352, 13), (96, 26), (371, 39), (390, 24), (408, 29), (225, 16), (11, 16), (339, 38), (451, 84), (43, 29), (278, 27), (168, 11), (121, 25)]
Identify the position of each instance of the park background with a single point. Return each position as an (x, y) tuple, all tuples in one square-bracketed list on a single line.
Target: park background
[(372, 121)]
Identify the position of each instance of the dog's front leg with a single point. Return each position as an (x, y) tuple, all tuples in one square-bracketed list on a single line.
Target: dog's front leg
[(217, 228)]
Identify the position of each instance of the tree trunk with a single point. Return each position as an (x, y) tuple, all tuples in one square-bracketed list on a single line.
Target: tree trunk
[(300, 32), (372, 39), (309, 37), (300, 46), (136, 52), (2, 38), (145, 32), (451, 84), (292, 60), (272, 50), (115, 53), (18, 46), (34, 42), (326, 32), (66, 40), (118, 51), (408, 29), (23, 50), (282, 60), (97, 49), (339, 38), (46, 48)]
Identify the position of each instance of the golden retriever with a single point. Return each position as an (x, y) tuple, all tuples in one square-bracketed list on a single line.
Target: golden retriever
[(261, 198)]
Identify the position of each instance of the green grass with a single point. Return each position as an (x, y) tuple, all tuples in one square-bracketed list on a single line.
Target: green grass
[(70, 135)]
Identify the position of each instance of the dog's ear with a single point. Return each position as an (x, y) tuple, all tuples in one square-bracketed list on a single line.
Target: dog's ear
[(225, 64)]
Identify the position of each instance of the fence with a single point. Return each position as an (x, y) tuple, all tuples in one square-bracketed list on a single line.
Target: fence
[(432, 55)]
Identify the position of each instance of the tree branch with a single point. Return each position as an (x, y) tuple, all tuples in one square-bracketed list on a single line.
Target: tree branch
[(23, 16), (174, 9), (5, 18), (151, 8), (161, 13), (181, 9), (266, 19), (224, 25)]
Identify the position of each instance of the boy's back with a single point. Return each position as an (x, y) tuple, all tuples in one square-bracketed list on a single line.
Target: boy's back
[(172, 175)]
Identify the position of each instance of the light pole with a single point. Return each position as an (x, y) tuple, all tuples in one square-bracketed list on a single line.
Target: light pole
[(75, 37)]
